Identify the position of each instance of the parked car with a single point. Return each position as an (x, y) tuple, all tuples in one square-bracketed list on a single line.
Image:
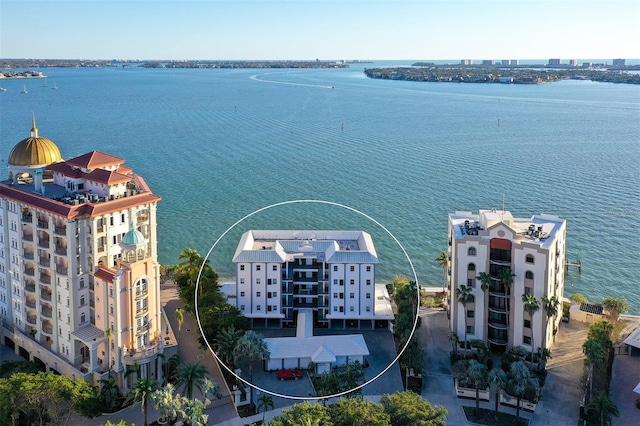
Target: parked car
[(289, 374)]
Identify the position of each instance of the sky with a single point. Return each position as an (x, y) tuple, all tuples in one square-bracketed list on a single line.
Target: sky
[(326, 30)]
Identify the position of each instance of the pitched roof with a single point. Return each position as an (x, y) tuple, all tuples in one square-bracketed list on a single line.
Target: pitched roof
[(94, 160)]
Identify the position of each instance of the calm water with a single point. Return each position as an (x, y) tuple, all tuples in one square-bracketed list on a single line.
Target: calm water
[(220, 144)]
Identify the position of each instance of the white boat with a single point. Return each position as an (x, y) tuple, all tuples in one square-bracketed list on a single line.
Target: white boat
[(24, 89), (2, 89)]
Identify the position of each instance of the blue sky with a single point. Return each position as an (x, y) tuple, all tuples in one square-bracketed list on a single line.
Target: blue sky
[(329, 29)]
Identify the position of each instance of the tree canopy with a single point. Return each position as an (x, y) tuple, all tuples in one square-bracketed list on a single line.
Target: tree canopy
[(408, 408)]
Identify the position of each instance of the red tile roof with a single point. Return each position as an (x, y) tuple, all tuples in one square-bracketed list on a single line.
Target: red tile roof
[(94, 160)]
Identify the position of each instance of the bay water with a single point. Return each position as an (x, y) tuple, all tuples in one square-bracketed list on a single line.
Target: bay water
[(392, 158)]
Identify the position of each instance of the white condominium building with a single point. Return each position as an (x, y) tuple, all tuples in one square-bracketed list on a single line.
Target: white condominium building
[(330, 272), (521, 256), (79, 277)]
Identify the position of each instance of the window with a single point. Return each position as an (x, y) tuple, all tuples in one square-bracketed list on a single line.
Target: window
[(335, 309), (82, 300), (258, 307), (351, 309), (368, 295), (471, 282), (368, 308), (368, 282), (111, 309), (241, 280), (275, 267), (242, 267), (471, 314), (341, 295), (352, 295), (352, 282), (527, 323), (471, 251), (83, 317), (352, 268), (268, 281), (122, 218), (341, 282), (341, 309), (471, 329), (528, 290), (335, 268), (368, 268), (526, 340), (529, 258), (335, 282), (257, 281), (257, 267), (258, 294), (528, 275), (471, 267), (242, 294), (335, 295), (269, 295), (111, 221), (242, 307), (268, 308)]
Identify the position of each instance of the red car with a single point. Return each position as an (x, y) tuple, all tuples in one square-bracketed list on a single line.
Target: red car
[(289, 374)]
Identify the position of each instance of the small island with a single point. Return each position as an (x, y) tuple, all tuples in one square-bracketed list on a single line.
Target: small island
[(506, 75)]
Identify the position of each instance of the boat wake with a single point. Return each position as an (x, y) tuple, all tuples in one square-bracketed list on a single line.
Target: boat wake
[(256, 77)]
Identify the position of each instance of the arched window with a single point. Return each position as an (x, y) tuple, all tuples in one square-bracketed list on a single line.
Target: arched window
[(471, 267), (528, 275), (471, 251), (529, 258)]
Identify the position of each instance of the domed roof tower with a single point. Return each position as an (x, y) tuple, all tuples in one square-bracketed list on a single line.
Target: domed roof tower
[(30, 157)]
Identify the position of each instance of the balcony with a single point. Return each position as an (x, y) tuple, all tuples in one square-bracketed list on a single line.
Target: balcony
[(500, 262), (44, 242), (27, 217), (140, 356), (29, 271), (45, 279), (27, 237), (61, 250), (46, 312), (141, 311), (498, 325), (142, 328), (43, 224), (44, 261), (60, 230), (30, 303), (47, 328), (32, 319), (45, 295), (306, 291), (28, 255), (61, 269), (30, 288)]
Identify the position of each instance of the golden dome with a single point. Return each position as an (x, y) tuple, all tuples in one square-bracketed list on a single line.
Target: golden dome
[(34, 150)]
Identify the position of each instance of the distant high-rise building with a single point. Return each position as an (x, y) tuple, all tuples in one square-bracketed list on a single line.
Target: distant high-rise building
[(573, 62), (514, 62), (619, 62), (487, 62), (79, 276), (519, 257), (554, 61), (505, 62), (466, 62)]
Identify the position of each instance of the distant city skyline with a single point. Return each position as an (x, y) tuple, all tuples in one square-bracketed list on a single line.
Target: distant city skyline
[(327, 30)]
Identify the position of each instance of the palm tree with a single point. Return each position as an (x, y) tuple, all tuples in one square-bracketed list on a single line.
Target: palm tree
[(596, 354), (108, 334), (169, 367), (180, 320), (167, 402), (604, 406), (550, 305), (443, 262), (478, 374), (251, 347), (191, 260), (227, 341), (465, 295), (506, 279), (498, 377), (485, 280), (531, 306), (141, 392), (109, 393), (190, 376), (265, 401), (518, 379)]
